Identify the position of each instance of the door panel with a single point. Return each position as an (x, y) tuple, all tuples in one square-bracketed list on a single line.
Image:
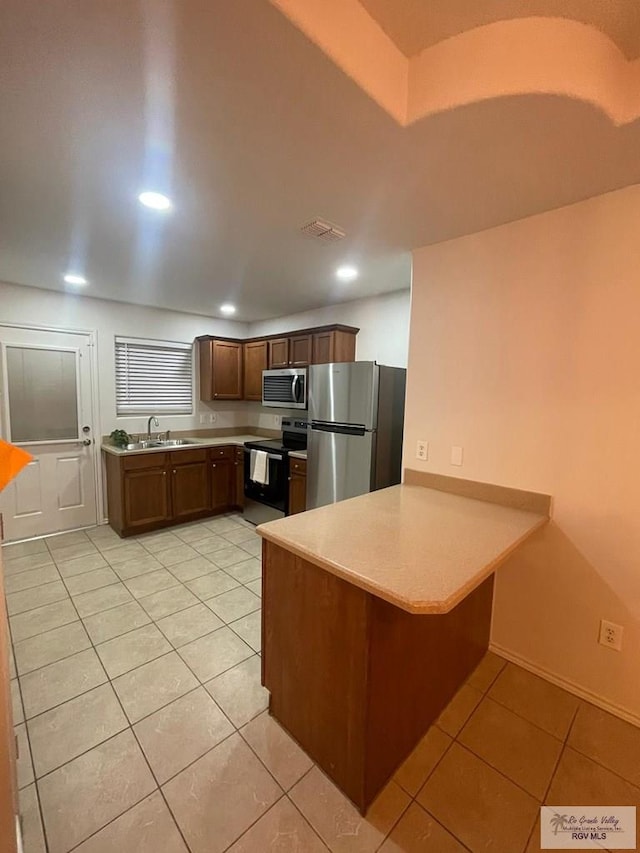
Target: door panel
[(323, 347), (145, 497), (255, 361), (338, 466), (344, 393), (278, 352), (227, 370), (190, 489), (69, 476), (221, 485), (300, 351), (46, 408)]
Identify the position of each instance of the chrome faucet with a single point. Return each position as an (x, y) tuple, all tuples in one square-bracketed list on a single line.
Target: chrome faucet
[(156, 424)]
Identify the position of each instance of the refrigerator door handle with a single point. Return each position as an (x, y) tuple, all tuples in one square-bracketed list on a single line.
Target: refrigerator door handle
[(341, 429)]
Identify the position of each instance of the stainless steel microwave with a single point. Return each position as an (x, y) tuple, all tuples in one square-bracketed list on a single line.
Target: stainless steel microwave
[(285, 388)]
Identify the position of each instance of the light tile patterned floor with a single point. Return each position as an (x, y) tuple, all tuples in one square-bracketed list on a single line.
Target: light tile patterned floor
[(142, 724)]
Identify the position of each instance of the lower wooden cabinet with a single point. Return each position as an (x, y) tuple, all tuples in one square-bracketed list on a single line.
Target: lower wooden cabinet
[(146, 498), (237, 484), (297, 485), (221, 470), (150, 491), (189, 485)]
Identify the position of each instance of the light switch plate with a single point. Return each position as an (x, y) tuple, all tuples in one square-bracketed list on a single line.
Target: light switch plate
[(456, 455)]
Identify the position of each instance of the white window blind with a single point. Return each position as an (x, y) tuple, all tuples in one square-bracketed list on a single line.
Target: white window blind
[(153, 377)]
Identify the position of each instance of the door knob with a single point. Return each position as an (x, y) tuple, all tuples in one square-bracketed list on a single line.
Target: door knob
[(86, 428), (86, 441)]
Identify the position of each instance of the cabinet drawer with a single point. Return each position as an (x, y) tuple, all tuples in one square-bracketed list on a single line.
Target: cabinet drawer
[(299, 465), (225, 452), (144, 460), (187, 457)]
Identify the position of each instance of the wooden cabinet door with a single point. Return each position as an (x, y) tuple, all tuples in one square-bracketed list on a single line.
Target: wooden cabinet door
[(323, 347), (237, 485), (190, 494), (300, 350), (227, 370), (221, 484), (146, 497), (297, 492), (255, 361), (279, 352), (333, 346)]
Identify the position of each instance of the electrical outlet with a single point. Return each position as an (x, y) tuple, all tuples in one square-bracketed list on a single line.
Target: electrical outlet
[(610, 635), (456, 455), (422, 450), (212, 417), (203, 417), (277, 421)]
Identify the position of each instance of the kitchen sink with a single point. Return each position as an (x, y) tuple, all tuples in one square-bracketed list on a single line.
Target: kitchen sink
[(167, 442)]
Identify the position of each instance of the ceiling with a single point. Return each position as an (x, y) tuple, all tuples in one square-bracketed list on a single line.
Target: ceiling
[(416, 24), (252, 131)]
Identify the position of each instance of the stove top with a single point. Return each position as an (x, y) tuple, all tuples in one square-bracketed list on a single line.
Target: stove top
[(275, 445)]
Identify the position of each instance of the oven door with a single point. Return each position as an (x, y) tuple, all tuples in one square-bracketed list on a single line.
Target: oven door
[(273, 495)]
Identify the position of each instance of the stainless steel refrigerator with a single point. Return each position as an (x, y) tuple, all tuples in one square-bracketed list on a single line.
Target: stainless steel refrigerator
[(356, 417)]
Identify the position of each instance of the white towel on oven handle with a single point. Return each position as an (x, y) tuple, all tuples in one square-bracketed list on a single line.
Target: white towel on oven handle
[(259, 467)]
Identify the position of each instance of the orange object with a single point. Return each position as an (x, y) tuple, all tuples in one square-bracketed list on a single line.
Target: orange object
[(12, 461)]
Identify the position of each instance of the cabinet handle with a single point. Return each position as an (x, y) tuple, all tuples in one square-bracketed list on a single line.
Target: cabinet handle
[(164, 473), (289, 479), (174, 470), (214, 465)]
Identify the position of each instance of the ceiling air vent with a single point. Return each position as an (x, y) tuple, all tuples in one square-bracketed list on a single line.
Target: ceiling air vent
[(322, 230)]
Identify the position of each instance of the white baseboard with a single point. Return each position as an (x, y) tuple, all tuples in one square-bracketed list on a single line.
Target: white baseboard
[(569, 686)]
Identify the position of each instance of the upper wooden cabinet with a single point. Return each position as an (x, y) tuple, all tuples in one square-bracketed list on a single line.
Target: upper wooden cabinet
[(294, 351), (300, 347), (232, 369), (278, 352), (255, 361), (220, 369), (333, 345)]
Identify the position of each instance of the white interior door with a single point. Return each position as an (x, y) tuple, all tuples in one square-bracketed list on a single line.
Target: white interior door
[(46, 408)]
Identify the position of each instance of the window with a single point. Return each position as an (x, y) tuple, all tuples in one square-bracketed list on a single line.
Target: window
[(153, 377), (43, 393)]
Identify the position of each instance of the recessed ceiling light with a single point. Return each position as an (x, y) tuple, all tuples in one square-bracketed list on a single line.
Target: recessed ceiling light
[(74, 278), (346, 273), (156, 201), (227, 308)]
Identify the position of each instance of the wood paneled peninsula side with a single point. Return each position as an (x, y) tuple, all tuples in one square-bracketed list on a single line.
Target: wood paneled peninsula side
[(375, 611)]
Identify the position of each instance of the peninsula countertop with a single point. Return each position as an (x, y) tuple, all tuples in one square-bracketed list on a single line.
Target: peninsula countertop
[(420, 549)]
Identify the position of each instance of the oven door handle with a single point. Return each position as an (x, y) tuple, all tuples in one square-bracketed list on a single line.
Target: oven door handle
[(269, 455)]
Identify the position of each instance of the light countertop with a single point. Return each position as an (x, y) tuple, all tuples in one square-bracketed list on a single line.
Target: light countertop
[(418, 548), (298, 454), (193, 443)]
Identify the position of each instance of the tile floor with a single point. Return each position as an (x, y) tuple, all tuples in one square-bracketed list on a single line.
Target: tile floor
[(142, 724)]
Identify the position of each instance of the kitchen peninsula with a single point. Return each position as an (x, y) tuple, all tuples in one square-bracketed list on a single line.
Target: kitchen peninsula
[(375, 610)]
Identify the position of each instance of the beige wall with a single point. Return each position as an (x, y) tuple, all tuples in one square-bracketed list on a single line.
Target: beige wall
[(525, 350), (383, 322)]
